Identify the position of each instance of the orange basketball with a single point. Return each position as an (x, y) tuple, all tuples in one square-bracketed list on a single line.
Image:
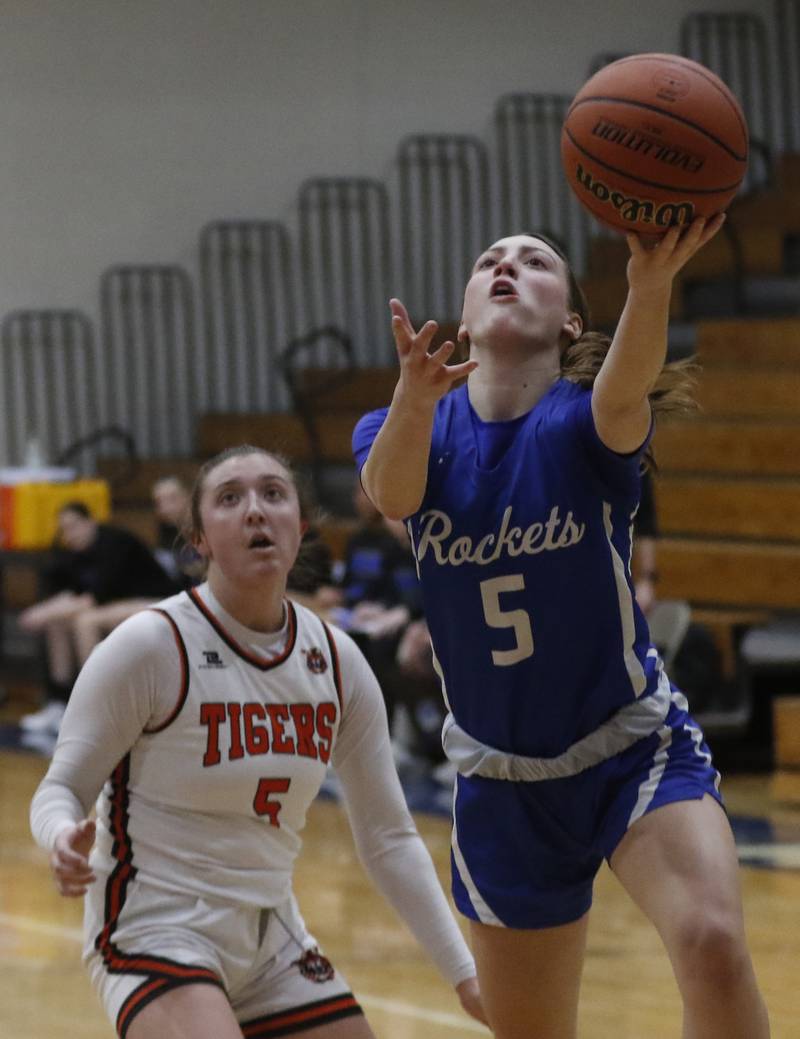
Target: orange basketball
[(654, 140)]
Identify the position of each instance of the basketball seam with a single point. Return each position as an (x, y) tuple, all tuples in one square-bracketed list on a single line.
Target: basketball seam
[(649, 183), (661, 111), (698, 69)]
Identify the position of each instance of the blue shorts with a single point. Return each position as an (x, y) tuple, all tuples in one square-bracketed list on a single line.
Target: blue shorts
[(525, 855)]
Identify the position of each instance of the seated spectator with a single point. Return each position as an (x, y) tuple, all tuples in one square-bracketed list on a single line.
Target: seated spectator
[(378, 570), (97, 577), (379, 602), (171, 502)]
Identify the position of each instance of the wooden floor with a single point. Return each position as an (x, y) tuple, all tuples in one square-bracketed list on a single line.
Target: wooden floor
[(628, 992)]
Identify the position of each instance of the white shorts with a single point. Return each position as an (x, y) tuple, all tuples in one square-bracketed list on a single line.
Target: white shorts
[(142, 942)]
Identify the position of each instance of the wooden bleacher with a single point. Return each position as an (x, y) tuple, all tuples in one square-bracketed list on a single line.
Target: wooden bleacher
[(338, 401), (727, 447), (760, 224), (728, 488), (729, 476)]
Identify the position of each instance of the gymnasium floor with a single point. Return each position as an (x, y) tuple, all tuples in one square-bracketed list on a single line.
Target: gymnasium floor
[(628, 990)]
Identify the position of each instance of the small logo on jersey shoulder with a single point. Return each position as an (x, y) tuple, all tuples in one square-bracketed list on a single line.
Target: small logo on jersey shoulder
[(314, 966), (212, 659), (317, 664)]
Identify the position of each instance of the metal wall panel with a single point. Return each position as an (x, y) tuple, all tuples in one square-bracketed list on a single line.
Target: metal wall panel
[(346, 274), (736, 47), (443, 219), (248, 302), (149, 362), (534, 193), (49, 386)]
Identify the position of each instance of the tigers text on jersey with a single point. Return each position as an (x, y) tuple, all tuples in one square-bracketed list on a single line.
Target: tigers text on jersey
[(525, 570), (236, 764)]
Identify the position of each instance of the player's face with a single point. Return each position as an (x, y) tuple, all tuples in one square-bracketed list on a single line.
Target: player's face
[(519, 289), (76, 532), (251, 519), (170, 501)]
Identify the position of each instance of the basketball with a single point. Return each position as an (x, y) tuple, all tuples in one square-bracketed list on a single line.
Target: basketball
[(654, 140)]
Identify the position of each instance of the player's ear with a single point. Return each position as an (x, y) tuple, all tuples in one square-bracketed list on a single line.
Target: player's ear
[(463, 334), (573, 326), (200, 545)]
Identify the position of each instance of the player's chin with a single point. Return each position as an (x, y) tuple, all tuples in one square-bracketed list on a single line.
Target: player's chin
[(263, 562), (510, 320)]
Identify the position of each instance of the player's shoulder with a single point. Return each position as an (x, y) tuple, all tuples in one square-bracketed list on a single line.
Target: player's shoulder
[(147, 631), (565, 404), (153, 620), (451, 416), (566, 393), (368, 427)]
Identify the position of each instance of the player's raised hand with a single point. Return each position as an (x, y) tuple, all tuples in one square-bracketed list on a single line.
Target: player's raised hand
[(655, 262), (426, 376), (69, 859)]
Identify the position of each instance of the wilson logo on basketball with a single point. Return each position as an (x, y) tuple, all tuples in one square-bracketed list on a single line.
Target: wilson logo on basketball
[(317, 664), (635, 210)]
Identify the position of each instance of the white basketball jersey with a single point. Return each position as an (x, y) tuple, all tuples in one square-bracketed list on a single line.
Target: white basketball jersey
[(214, 799)]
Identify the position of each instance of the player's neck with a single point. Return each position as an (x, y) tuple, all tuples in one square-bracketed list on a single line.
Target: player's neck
[(500, 390), (259, 608)]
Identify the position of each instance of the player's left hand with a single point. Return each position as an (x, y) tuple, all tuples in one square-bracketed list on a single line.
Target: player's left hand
[(69, 859), (470, 996), (655, 262)]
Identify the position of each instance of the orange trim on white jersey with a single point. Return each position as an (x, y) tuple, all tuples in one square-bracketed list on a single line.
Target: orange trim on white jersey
[(184, 659), (251, 658)]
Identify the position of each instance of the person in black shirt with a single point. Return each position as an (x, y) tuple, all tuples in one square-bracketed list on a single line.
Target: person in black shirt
[(97, 577)]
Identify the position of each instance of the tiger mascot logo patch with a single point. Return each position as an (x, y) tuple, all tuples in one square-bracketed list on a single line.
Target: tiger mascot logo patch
[(314, 966), (317, 664)]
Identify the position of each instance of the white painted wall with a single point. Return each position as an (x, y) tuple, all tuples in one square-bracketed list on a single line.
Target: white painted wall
[(127, 124)]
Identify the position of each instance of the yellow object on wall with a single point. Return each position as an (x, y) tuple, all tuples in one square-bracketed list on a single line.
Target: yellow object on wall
[(29, 511)]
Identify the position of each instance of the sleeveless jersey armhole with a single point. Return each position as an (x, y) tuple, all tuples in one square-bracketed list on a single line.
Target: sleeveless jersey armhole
[(337, 671), (184, 684)]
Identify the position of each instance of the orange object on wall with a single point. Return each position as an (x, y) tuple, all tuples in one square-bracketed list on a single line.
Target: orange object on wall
[(29, 511)]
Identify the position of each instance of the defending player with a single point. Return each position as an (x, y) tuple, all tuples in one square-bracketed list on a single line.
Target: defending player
[(215, 716), (571, 746)]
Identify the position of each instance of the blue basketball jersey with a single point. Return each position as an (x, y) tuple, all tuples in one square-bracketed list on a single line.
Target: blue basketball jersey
[(523, 552)]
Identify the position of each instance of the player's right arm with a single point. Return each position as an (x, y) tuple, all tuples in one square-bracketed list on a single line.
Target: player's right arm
[(131, 681), (395, 472)]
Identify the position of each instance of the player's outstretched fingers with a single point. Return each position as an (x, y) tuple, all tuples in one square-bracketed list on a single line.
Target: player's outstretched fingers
[(459, 371), (406, 339), (712, 227), (453, 372), (698, 234), (443, 352)]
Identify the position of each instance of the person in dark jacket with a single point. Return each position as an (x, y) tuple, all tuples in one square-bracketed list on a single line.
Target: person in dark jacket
[(98, 576)]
